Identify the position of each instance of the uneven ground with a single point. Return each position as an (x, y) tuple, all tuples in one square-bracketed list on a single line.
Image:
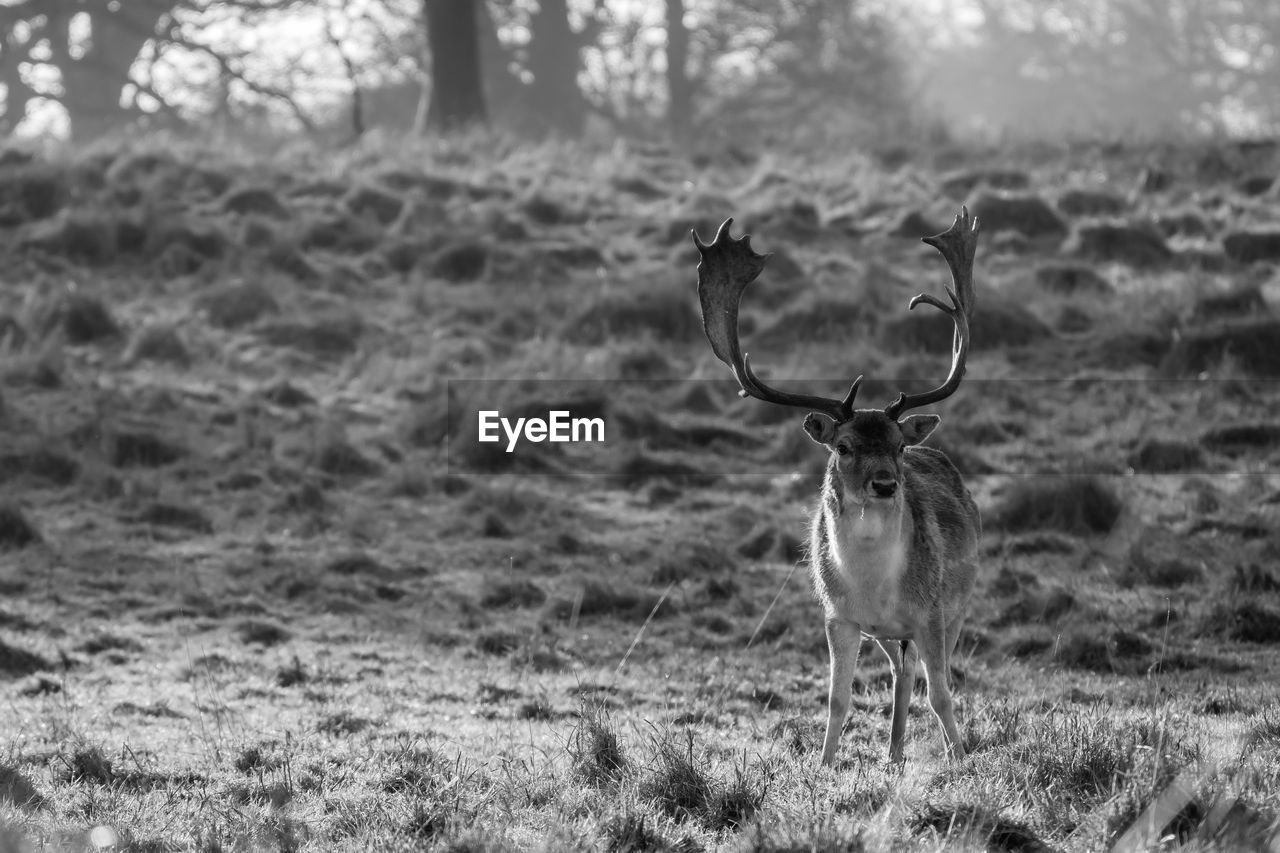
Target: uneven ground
[(259, 588)]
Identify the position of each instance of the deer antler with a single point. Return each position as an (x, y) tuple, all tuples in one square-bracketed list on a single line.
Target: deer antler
[(728, 265), (958, 245)]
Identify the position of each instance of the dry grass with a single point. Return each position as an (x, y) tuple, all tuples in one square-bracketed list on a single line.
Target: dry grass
[(254, 598)]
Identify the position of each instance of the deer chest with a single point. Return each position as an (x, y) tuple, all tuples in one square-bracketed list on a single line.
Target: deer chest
[(870, 567)]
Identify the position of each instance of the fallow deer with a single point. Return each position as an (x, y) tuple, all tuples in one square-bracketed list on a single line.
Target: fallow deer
[(894, 541)]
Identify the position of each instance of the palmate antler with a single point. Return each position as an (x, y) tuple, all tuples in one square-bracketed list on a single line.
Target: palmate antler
[(958, 245), (728, 265)]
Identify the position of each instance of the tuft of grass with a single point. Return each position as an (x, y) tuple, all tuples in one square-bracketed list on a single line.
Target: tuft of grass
[(976, 823), (89, 764), (631, 832), (595, 749), (680, 786), (676, 783), (17, 789)]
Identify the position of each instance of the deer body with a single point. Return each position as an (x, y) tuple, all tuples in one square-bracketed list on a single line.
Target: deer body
[(904, 580), (894, 542)]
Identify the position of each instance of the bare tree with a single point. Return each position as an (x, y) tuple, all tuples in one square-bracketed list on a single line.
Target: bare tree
[(92, 46), (554, 63), (457, 94)]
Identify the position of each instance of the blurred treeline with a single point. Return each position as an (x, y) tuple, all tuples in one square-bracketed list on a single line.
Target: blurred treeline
[(808, 72)]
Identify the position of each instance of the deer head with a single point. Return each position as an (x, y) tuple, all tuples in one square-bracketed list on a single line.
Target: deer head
[(868, 444)]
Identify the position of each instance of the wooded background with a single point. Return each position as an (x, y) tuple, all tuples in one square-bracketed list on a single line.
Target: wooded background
[(747, 70)]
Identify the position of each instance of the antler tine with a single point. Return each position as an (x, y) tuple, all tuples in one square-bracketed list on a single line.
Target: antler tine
[(958, 245), (728, 265)]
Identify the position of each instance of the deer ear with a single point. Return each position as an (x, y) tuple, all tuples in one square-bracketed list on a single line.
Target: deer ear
[(821, 428), (916, 428)]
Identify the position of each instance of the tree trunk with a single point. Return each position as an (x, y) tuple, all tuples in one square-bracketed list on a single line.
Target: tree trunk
[(457, 95), (679, 91), (554, 63), (92, 83)]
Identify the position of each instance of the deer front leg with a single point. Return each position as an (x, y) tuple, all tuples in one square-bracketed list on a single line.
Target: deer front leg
[(902, 661), (934, 655), (843, 640)]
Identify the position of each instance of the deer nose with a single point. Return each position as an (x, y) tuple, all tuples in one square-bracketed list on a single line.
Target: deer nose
[(884, 484)]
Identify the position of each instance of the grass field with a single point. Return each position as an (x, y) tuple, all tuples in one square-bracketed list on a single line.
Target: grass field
[(259, 590)]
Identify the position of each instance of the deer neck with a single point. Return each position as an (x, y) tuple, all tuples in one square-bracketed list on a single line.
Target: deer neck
[(870, 554), (867, 537)]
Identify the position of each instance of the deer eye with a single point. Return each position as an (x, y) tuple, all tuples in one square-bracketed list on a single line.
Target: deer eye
[(842, 450), (902, 448)]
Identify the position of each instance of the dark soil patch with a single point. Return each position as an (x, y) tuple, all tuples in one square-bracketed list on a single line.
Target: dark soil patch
[(89, 238), (39, 463), (513, 593), (374, 202), (1076, 504), (1238, 439), (1160, 561), (980, 824), (82, 319), (341, 459), (1037, 606), (176, 516), (460, 263), (237, 305), (259, 201), (261, 632), (160, 344), (1133, 245), (1248, 247), (143, 450), (358, 564), (339, 234), (598, 599), (822, 320), (1165, 456), (1182, 223), (958, 185), (332, 337), (1091, 203), (640, 468), (17, 662), (915, 224), (664, 315), (1120, 347), (15, 530), (1085, 648), (1028, 215), (1256, 185), (287, 395), (1246, 301), (1072, 280), (1245, 620), (31, 192), (996, 323), (1252, 344)]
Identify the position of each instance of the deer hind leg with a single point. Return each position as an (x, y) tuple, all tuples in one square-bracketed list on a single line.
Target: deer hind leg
[(843, 639), (934, 654), (902, 661)]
